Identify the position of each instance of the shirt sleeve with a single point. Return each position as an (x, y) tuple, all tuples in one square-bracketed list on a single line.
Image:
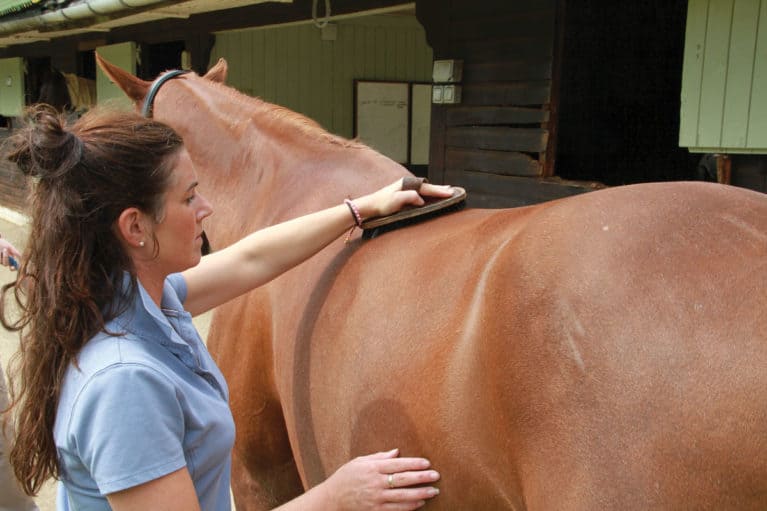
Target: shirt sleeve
[(128, 426)]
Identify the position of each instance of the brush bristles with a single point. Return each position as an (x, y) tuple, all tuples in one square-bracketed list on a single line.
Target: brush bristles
[(369, 234)]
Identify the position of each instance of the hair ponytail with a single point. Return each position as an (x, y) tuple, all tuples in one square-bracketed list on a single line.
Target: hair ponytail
[(45, 149)]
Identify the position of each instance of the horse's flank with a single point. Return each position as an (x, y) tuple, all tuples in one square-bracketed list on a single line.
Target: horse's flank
[(605, 351)]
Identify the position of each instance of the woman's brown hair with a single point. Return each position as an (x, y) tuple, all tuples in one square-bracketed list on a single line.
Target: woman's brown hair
[(72, 268)]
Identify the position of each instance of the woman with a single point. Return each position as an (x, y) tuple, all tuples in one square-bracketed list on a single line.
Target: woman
[(118, 396)]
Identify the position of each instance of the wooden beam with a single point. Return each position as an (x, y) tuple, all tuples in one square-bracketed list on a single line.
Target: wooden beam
[(549, 156)]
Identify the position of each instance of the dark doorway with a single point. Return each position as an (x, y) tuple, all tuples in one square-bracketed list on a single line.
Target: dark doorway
[(86, 64), (161, 57), (38, 69), (620, 90)]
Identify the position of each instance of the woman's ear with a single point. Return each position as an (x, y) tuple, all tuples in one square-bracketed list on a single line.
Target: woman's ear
[(132, 227)]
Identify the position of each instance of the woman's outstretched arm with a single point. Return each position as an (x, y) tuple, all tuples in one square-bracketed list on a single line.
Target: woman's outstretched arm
[(267, 253)]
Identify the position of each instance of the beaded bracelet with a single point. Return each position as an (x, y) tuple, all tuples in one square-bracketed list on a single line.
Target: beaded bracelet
[(357, 218), (355, 212)]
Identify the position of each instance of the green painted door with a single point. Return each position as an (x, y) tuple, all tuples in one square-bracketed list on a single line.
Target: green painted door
[(124, 56), (11, 87), (724, 77)]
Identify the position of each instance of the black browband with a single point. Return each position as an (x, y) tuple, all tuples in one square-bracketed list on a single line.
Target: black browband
[(146, 110)]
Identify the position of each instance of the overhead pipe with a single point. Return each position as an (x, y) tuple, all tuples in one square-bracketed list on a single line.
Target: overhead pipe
[(77, 13)]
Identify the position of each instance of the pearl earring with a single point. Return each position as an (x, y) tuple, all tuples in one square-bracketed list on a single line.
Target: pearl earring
[(141, 243)]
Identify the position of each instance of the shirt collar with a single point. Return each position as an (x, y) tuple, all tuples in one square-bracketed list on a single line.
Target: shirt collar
[(145, 320)]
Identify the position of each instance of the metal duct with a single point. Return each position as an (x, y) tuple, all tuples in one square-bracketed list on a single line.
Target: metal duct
[(77, 13)]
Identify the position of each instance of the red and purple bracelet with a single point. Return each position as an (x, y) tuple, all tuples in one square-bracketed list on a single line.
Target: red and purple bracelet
[(357, 218)]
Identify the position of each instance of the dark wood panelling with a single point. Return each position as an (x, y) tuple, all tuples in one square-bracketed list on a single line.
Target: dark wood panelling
[(466, 28), (497, 138), (436, 171), (510, 93), (503, 49), (505, 163), (494, 71), (14, 189), (494, 115), (479, 8)]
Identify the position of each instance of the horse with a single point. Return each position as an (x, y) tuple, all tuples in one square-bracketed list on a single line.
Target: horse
[(602, 351)]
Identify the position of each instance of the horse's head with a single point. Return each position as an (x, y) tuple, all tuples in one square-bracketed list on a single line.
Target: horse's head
[(54, 91), (259, 163), (137, 89)]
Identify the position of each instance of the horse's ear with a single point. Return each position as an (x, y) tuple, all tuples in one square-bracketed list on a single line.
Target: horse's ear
[(218, 72), (135, 88)]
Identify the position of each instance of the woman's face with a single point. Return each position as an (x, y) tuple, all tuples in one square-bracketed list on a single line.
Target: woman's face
[(179, 232)]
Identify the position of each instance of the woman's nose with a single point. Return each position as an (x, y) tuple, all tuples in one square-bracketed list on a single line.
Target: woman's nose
[(205, 209)]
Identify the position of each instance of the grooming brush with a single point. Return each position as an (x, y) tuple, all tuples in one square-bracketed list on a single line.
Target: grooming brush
[(433, 208)]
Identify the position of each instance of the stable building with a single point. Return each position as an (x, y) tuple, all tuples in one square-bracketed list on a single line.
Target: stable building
[(518, 101)]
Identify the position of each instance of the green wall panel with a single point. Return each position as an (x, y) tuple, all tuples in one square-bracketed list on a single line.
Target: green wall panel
[(11, 87), (757, 121), (724, 78), (294, 67), (714, 80), (694, 44), (122, 55)]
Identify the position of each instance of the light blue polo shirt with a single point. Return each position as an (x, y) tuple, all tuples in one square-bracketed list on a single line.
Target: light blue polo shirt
[(142, 405)]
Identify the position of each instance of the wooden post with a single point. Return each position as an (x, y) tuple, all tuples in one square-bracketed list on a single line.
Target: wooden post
[(723, 168), (549, 156)]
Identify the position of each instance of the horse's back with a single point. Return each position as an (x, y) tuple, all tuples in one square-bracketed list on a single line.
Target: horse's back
[(602, 351)]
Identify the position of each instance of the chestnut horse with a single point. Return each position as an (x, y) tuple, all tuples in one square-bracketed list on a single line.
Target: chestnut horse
[(604, 351)]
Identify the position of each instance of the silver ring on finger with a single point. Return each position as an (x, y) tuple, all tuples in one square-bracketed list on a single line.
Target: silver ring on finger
[(390, 481)]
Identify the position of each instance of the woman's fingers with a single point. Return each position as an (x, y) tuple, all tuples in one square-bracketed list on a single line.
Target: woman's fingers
[(394, 465), (436, 190), (427, 189), (411, 494), (411, 478)]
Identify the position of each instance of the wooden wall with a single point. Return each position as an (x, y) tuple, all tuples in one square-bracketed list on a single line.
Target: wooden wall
[(14, 188), (500, 142), (292, 66)]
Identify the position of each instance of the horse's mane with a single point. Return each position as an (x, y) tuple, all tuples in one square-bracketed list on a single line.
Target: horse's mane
[(286, 120)]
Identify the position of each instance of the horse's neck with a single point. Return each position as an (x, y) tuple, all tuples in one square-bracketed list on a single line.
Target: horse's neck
[(261, 164)]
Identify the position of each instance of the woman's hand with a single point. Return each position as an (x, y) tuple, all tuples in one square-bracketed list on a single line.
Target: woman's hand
[(392, 198), (381, 481)]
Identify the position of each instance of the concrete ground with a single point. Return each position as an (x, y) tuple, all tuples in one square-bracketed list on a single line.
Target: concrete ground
[(15, 228)]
